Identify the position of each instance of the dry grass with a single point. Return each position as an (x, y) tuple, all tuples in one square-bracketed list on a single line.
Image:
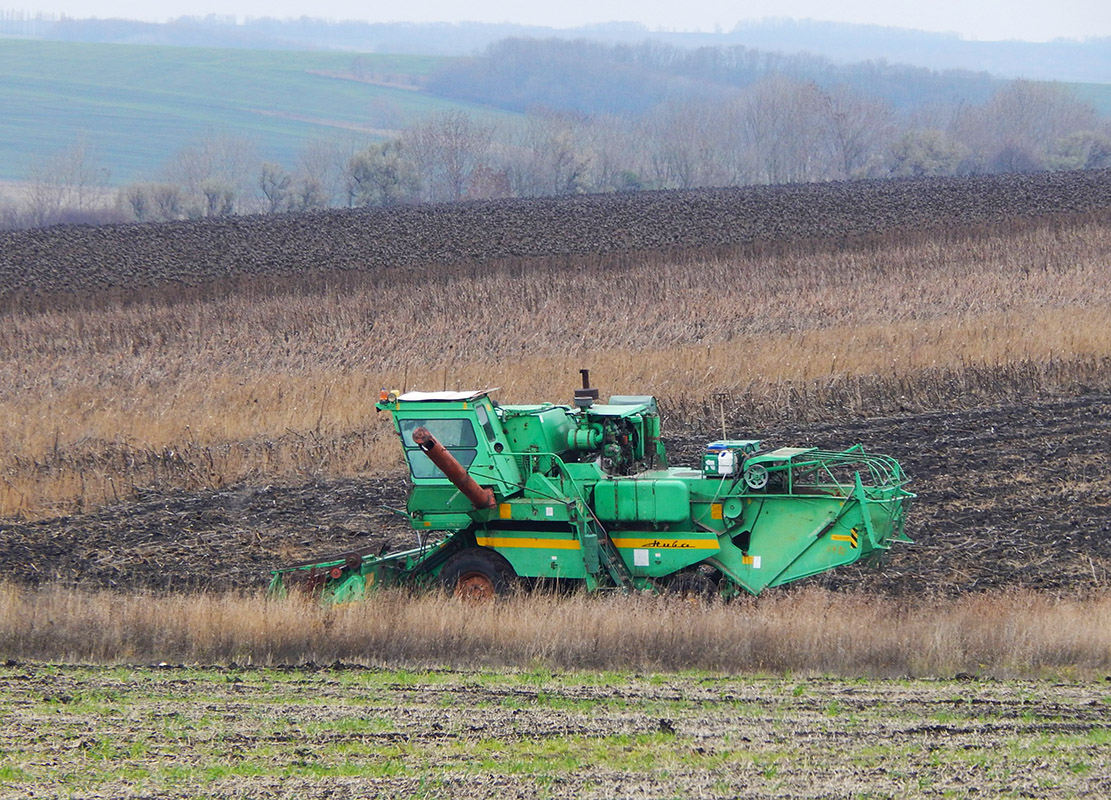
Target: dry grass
[(1009, 634), (278, 381)]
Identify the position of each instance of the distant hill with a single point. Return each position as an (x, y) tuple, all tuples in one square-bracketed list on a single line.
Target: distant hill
[(1086, 61), (1061, 60)]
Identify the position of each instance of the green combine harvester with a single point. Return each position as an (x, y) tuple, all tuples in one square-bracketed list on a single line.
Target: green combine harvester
[(505, 496)]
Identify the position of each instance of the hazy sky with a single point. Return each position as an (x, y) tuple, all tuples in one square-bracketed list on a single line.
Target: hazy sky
[(1034, 20)]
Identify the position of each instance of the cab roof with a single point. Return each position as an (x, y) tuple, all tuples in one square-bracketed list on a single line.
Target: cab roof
[(444, 397)]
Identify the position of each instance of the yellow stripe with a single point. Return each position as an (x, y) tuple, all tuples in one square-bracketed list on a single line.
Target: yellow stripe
[(669, 544), (515, 541), (838, 537)]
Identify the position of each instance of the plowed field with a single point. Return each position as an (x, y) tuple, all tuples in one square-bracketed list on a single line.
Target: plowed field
[(73, 260)]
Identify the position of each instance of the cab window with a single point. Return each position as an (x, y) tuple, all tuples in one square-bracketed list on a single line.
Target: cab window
[(484, 421), (456, 435)]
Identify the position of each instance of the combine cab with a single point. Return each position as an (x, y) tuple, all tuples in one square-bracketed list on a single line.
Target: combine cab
[(508, 495)]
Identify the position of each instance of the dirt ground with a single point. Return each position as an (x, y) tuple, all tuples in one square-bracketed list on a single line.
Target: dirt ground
[(62, 264), (1007, 497), (83, 732)]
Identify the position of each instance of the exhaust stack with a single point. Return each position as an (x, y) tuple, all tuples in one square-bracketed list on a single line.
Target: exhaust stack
[(586, 396)]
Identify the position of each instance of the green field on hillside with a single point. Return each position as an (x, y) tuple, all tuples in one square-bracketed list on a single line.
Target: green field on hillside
[(1098, 94), (138, 105)]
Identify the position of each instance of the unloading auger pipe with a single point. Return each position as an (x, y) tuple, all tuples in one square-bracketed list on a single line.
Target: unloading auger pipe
[(454, 471)]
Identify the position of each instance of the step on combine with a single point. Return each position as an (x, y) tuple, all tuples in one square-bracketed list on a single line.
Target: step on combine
[(508, 496)]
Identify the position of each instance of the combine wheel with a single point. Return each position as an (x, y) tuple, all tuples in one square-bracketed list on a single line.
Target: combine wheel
[(478, 574)]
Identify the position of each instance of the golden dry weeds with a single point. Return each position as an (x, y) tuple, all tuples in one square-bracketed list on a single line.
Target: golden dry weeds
[(277, 382), (810, 631)]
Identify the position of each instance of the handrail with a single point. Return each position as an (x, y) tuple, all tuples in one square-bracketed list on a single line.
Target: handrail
[(884, 471)]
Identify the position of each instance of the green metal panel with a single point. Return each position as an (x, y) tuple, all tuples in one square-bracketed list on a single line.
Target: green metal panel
[(537, 554), (656, 554), (780, 529), (783, 538), (591, 562), (537, 429), (605, 501), (439, 507), (639, 500), (542, 510)]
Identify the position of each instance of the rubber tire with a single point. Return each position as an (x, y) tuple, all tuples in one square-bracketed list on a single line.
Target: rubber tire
[(478, 574)]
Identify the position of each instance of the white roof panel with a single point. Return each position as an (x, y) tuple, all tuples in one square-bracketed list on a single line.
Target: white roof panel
[(444, 397)]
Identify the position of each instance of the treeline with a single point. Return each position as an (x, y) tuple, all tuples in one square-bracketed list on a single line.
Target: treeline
[(756, 123), (596, 78)]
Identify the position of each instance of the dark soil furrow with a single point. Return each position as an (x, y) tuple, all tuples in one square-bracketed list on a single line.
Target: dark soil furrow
[(116, 258)]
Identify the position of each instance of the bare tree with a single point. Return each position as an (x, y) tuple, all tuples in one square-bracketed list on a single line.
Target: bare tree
[(214, 174), (219, 198), (926, 152), (149, 202), (138, 201), (276, 185), (1089, 149), (621, 160), (859, 128), (71, 180), (691, 143), (785, 133), (9, 215), (489, 183), (554, 154), (1022, 123), (320, 178), (169, 201), (445, 150)]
